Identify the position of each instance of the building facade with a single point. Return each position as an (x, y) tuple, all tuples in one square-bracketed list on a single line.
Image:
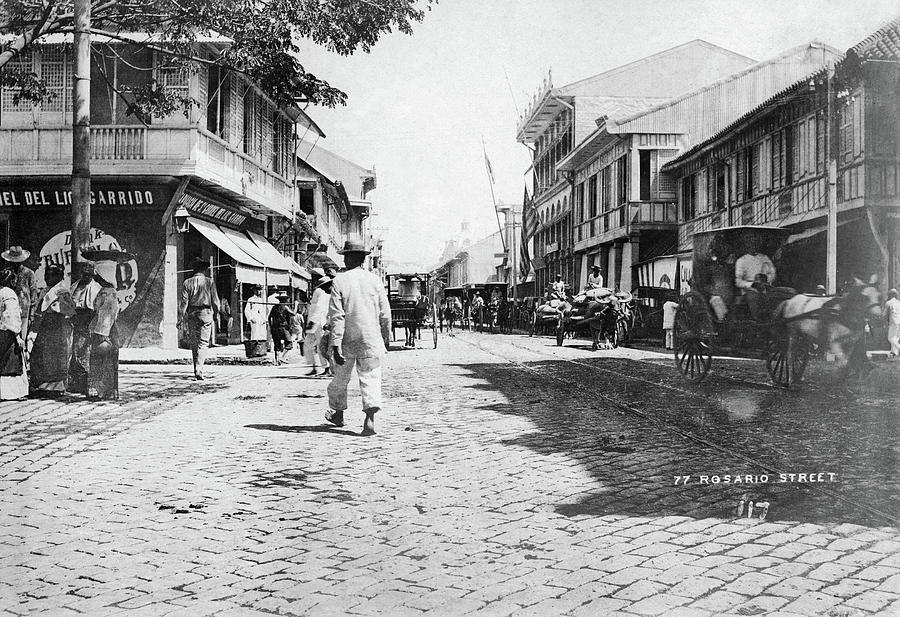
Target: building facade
[(217, 181), (560, 119), (610, 203), (771, 167)]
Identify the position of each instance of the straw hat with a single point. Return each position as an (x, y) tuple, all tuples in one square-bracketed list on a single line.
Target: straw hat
[(15, 254)]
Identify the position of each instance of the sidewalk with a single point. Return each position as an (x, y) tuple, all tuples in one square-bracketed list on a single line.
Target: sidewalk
[(224, 354)]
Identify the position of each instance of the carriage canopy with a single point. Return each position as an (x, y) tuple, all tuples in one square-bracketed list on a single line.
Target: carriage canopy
[(717, 250)]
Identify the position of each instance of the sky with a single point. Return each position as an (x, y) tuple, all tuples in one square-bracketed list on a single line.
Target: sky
[(420, 106)]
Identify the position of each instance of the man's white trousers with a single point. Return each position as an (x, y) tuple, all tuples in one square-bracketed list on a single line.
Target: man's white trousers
[(369, 372)]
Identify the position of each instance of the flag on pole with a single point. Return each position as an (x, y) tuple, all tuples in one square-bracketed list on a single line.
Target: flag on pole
[(529, 228), (490, 170)]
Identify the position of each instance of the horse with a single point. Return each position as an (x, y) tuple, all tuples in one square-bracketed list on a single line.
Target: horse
[(835, 323), (420, 312), (451, 313)]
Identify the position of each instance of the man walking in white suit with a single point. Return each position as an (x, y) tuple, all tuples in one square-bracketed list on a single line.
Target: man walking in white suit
[(360, 320)]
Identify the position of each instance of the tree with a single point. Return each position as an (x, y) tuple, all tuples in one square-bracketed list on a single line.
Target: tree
[(263, 39)]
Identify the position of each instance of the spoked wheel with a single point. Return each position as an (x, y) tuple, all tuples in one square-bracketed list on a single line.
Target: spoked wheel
[(786, 365), (621, 332), (533, 323), (693, 330)]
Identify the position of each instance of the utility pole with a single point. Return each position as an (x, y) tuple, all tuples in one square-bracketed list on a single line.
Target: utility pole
[(81, 135), (831, 167)]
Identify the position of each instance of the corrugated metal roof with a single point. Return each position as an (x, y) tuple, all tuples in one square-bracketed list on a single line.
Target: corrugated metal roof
[(700, 114), (660, 75), (883, 44)]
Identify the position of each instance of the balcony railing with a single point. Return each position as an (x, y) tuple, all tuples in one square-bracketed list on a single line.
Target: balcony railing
[(626, 217), (49, 147)]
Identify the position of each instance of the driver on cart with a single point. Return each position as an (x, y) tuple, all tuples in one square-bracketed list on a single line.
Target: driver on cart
[(754, 274)]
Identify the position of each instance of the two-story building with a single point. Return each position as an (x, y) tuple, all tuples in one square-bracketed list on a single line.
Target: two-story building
[(771, 167), (560, 119), (623, 208), (334, 197), (223, 180)]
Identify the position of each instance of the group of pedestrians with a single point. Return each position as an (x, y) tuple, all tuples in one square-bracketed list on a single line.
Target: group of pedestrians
[(348, 326), (60, 338)]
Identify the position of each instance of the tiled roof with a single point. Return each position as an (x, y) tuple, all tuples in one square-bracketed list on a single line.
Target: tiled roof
[(883, 44)]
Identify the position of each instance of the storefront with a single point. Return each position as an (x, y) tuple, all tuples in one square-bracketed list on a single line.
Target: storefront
[(165, 223), (241, 257), (35, 212)]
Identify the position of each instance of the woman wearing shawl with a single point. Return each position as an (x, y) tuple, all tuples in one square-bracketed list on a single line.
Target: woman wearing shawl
[(13, 379), (52, 331), (84, 294), (103, 375)]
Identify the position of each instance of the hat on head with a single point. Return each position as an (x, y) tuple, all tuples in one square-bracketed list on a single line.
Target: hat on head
[(559, 276), (323, 281), (15, 254), (892, 292), (200, 263), (354, 246), (595, 267), (317, 272)]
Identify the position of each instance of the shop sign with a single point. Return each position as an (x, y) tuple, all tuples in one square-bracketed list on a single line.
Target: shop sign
[(212, 212), (58, 250), (101, 195)]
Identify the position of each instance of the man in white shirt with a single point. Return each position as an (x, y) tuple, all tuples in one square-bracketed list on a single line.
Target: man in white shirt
[(559, 286), (315, 322), (360, 320), (595, 280), (256, 313), (754, 273), (892, 317)]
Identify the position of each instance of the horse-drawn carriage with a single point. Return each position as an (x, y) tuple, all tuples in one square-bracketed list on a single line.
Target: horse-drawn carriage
[(410, 307), (452, 310), (735, 304), (604, 313)]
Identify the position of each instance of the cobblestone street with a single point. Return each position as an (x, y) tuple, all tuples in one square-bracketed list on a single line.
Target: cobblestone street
[(508, 477)]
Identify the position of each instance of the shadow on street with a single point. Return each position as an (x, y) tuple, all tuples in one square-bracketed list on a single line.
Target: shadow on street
[(635, 427)]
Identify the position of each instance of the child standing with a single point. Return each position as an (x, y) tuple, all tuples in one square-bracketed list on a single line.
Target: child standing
[(669, 308)]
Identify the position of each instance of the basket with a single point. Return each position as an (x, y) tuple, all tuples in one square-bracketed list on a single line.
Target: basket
[(255, 349)]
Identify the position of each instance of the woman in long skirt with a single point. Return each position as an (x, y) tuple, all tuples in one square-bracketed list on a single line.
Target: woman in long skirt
[(13, 378), (84, 293), (103, 374), (52, 328)]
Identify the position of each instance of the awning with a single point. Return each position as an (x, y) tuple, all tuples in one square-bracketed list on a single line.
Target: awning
[(252, 264), (273, 258), (300, 276)]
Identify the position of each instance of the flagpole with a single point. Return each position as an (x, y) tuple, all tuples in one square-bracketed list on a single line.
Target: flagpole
[(490, 174)]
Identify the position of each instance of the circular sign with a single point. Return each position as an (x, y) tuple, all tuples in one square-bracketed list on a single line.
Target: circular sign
[(58, 250)]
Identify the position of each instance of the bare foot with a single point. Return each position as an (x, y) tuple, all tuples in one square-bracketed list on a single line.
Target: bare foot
[(369, 425)]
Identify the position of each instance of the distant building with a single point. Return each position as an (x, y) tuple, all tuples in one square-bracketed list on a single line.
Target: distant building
[(561, 118)]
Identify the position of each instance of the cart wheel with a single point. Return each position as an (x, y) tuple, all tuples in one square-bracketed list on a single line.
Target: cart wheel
[(560, 332), (533, 324), (786, 369), (434, 335), (693, 330), (621, 332)]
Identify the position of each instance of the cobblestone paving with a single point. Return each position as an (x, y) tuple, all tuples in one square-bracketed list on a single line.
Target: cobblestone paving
[(498, 485)]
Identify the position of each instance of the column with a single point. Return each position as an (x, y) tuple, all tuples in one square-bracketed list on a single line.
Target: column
[(171, 288), (629, 258), (617, 263), (603, 254)]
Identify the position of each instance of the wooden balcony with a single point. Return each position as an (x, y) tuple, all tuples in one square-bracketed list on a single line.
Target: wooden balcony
[(623, 220), (140, 150)]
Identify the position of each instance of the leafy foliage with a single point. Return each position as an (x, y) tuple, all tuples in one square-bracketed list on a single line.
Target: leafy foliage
[(259, 38)]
